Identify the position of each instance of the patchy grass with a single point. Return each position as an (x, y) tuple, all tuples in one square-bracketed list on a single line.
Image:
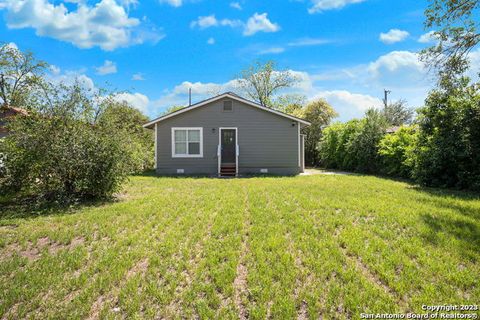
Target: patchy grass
[(301, 247)]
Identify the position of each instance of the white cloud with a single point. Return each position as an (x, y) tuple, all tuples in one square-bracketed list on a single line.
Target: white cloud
[(323, 5), (69, 77), (350, 91), (256, 23), (236, 5), (273, 50), (396, 61), (54, 69), (348, 103), (108, 67), (428, 37), (136, 100), (205, 22), (393, 36), (128, 3), (305, 42), (173, 3), (211, 41), (138, 77), (106, 25), (259, 23)]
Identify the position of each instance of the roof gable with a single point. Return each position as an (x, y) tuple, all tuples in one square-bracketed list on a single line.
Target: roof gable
[(219, 97)]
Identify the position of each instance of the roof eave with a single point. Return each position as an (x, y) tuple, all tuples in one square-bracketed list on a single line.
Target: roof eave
[(151, 124)]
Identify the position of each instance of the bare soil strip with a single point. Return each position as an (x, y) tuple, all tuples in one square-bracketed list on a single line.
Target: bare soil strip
[(372, 277)]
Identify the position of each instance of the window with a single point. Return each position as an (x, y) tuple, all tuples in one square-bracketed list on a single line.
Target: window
[(227, 106), (187, 142)]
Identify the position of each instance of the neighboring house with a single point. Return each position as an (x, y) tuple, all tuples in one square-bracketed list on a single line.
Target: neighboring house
[(228, 135), (392, 129), (5, 113)]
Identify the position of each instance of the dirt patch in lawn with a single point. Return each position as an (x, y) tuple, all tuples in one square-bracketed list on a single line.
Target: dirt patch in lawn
[(140, 268), (240, 283), (34, 251), (372, 277)]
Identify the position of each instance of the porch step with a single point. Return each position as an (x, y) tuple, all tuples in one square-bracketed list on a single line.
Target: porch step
[(228, 170)]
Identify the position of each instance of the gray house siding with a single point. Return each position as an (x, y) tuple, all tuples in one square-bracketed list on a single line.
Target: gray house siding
[(265, 140)]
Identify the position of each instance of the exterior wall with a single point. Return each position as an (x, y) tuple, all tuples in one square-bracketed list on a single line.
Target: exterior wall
[(266, 140), (302, 153)]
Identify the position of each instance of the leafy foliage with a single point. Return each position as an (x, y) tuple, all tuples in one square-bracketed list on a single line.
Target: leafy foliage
[(61, 152), (173, 109), (398, 113), (261, 81), (457, 23), (319, 113), (73, 143), (397, 152), (289, 103), (354, 145), (138, 141), (20, 76), (449, 141)]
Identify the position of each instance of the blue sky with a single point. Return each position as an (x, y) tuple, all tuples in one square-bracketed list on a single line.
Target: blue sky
[(346, 51)]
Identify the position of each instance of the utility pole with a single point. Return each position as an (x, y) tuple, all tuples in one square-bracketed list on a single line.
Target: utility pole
[(386, 93), (189, 96)]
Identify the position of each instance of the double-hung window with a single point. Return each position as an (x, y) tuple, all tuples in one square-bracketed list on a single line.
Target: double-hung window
[(187, 142)]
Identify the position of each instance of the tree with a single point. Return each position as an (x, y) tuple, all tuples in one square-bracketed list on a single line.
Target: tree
[(362, 148), (289, 103), (396, 151), (128, 122), (457, 22), (448, 149), (173, 109), (319, 113), (398, 113), (261, 81), (20, 74), (354, 145), (60, 153)]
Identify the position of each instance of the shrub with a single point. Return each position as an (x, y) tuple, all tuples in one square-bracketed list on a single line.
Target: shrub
[(448, 152), (354, 144), (396, 151), (63, 151)]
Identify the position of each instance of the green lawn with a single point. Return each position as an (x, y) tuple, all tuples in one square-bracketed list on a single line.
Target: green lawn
[(305, 247)]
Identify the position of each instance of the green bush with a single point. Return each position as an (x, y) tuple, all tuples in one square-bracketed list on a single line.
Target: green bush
[(354, 145), (448, 151), (68, 149), (397, 153)]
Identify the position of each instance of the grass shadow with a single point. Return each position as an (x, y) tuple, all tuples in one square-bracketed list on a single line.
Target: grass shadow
[(466, 232), (25, 208)]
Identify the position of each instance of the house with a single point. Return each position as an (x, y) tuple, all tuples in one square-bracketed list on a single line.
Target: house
[(5, 113), (392, 129), (228, 135)]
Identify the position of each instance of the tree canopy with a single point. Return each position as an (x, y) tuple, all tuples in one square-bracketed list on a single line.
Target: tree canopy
[(261, 81)]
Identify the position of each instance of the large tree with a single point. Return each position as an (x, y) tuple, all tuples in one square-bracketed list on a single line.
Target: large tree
[(319, 113), (20, 75), (261, 81), (398, 113), (456, 33)]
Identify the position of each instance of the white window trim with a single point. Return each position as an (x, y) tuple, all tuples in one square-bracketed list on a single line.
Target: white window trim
[(174, 155)]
